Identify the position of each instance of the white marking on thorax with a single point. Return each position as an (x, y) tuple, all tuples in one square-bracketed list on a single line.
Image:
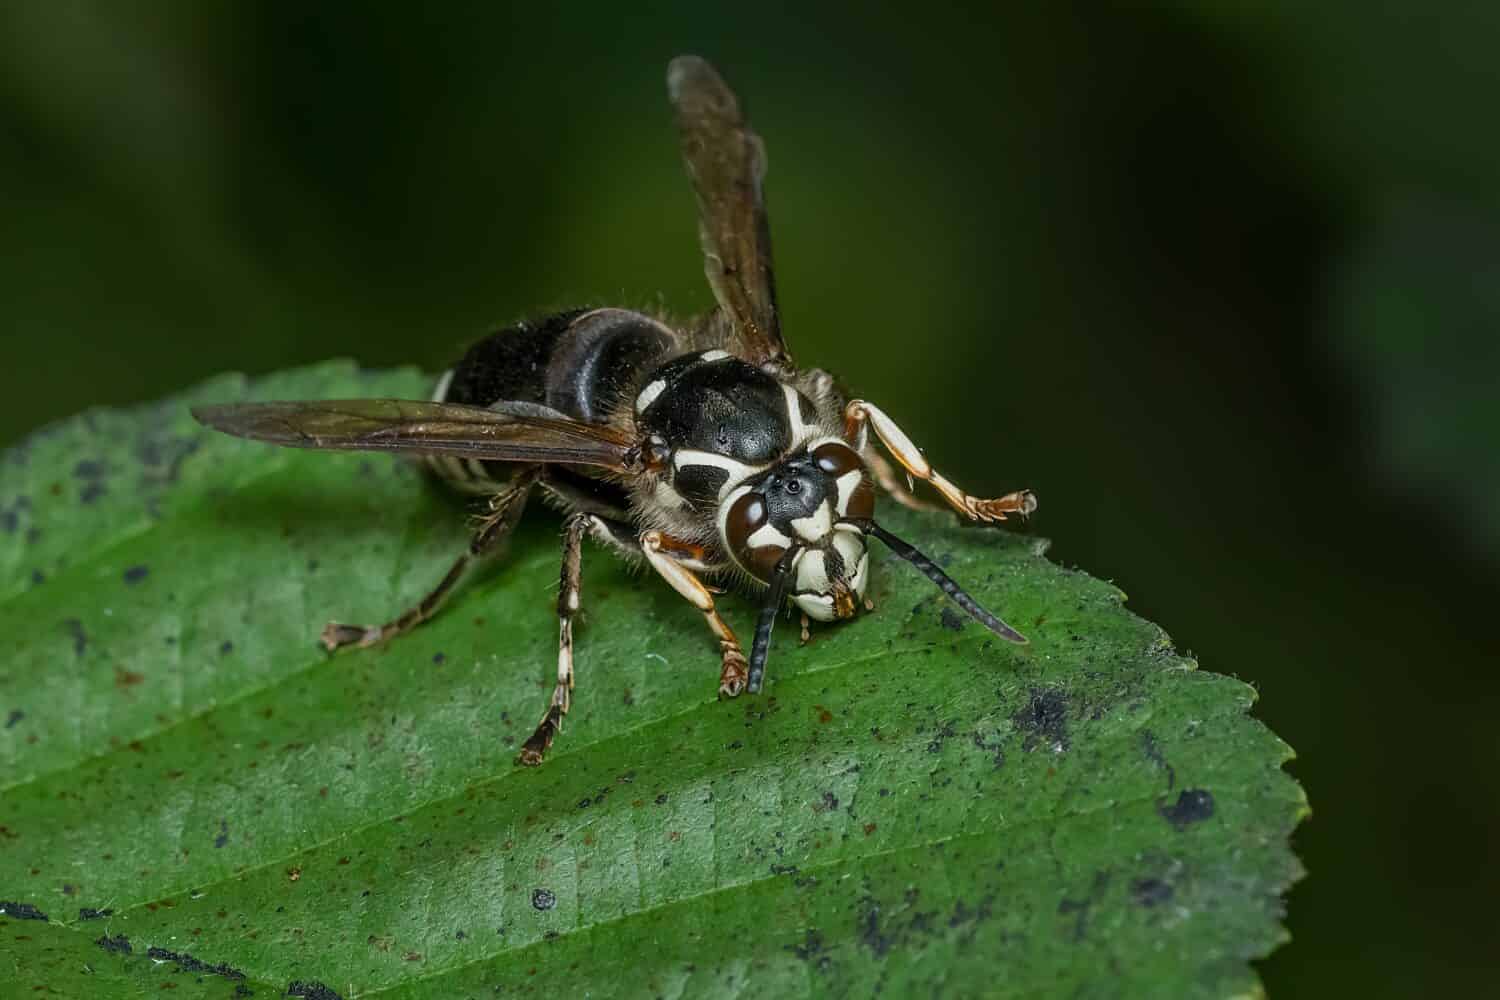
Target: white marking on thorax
[(441, 392), (713, 356), (815, 526), (800, 430), (737, 471), (648, 395)]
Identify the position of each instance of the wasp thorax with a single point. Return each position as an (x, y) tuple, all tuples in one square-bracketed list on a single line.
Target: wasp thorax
[(803, 505)]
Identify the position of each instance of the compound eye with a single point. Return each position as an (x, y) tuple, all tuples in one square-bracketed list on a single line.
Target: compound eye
[(836, 459), (746, 517)]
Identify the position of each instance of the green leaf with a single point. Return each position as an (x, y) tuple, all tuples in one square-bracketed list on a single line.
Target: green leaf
[(911, 806)]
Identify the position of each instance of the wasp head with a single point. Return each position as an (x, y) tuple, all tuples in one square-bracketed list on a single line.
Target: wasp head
[(799, 509)]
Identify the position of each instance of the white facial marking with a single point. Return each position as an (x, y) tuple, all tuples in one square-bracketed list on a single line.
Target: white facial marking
[(861, 576), (648, 395), (815, 526), (849, 547), (812, 573), (846, 484), (816, 606), (714, 355), (441, 392), (767, 534)]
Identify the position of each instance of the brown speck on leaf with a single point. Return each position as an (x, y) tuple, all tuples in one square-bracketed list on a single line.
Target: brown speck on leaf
[(869, 829), (824, 716), (294, 873), (412, 956), (674, 836), (127, 678)]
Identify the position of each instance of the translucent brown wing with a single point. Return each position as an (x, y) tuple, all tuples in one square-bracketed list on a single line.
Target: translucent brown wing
[(726, 162), (524, 434)]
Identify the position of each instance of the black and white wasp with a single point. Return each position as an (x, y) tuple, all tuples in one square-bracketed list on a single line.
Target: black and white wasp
[(702, 450)]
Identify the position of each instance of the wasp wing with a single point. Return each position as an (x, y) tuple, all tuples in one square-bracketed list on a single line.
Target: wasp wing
[(726, 162), (521, 434)]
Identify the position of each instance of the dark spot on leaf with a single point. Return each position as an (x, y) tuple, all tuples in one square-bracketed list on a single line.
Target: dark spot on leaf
[(942, 736), (1044, 720), (80, 637), (188, 963), (127, 678), (543, 899), (952, 620), (89, 913), (1193, 805), (661, 799), (995, 748), (38, 578), (438, 658), (1149, 892), (459, 935), (829, 802), (223, 835), (118, 945), (92, 492), (14, 716), (135, 574), (867, 926), (1080, 907), (226, 647), (89, 469), (311, 991), (21, 911), (1152, 750)]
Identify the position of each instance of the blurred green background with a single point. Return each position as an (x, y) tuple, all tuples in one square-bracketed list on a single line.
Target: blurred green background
[(1221, 284)]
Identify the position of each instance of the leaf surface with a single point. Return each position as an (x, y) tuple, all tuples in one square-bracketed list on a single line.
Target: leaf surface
[(911, 806)]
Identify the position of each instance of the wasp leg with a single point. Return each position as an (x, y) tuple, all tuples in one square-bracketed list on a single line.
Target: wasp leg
[(493, 529), (577, 526), (859, 416), (676, 561), (897, 487)]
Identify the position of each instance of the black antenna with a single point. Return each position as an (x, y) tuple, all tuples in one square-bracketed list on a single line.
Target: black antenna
[(943, 580), (761, 647)]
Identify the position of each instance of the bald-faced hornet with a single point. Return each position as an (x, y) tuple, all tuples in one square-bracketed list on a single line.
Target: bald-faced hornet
[(702, 450)]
